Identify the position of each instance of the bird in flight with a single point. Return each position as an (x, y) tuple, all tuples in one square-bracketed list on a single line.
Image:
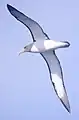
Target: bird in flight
[(46, 47)]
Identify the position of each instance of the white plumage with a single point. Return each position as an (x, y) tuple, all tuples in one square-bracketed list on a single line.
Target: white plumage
[(46, 47)]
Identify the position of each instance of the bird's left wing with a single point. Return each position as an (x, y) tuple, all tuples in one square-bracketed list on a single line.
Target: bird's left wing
[(34, 28), (56, 76)]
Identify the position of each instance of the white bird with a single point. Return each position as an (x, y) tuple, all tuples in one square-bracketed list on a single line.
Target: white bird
[(46, 47)]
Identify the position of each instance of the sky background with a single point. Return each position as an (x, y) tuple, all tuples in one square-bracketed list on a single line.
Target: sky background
[(26, 92)]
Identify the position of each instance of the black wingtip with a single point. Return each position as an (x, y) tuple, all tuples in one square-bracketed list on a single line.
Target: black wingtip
[(67, 106), (10, 8), (68, 109)]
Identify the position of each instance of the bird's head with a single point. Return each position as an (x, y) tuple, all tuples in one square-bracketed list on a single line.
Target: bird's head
[(27, 48)]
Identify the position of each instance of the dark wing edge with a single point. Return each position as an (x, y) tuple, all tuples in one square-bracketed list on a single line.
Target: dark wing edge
[(12, 9), (68, 108), (62, 100)]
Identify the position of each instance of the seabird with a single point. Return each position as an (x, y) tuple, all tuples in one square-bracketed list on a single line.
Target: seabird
[(46, 47)]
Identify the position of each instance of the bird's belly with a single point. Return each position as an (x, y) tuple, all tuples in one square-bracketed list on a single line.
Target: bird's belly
[(42, 46), (37, 49)]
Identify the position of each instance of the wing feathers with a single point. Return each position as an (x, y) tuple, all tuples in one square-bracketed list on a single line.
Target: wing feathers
[(35, 29), (56, 77), (51, 59)]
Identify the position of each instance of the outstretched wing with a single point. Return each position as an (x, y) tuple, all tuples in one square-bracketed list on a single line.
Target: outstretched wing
[(35, 29), (49, 56), (56, 77)]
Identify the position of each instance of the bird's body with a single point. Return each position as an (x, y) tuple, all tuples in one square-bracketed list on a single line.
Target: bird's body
[(41, 46), (46, 47)]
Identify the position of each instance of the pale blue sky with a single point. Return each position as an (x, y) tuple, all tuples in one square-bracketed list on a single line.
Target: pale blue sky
[(26, 92)]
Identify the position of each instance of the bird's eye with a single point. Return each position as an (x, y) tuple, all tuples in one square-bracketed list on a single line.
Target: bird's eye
[(25, 47)]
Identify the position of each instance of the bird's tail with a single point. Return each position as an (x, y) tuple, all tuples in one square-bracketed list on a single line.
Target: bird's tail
[(63, 44)]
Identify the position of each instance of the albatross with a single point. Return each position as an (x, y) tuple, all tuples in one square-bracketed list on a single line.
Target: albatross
[(46, 47)]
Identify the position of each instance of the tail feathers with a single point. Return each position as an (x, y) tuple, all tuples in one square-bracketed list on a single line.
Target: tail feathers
[(67, 43)]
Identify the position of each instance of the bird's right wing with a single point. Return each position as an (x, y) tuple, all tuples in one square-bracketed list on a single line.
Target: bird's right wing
[(35, 29), (56, 76)]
